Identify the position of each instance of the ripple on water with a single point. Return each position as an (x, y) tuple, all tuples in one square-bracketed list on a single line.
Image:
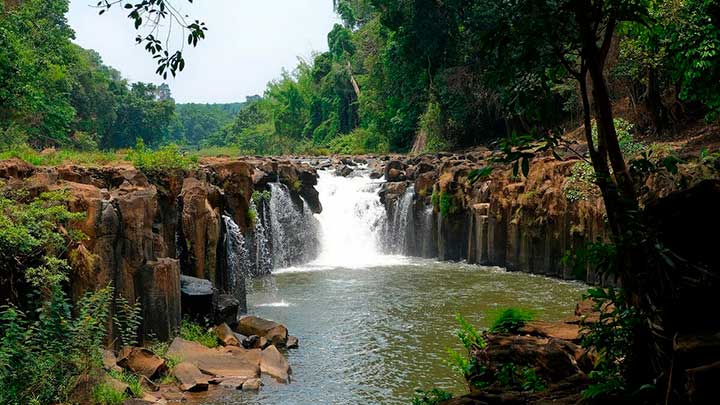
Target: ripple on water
[(374, 335)]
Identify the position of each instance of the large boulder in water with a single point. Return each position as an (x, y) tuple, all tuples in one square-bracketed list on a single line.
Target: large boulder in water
[(276, 333), (273, 363)]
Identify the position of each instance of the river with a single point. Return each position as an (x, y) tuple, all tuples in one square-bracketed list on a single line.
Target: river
[(375, 327)]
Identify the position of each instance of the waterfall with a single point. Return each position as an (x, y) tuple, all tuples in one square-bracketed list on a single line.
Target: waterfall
[(237, 259), (400, 238), (424, 239), (260, 256), (293, 228), (351, 222)]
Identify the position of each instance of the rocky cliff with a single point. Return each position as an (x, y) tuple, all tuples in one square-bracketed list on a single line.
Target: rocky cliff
[(146, 230)]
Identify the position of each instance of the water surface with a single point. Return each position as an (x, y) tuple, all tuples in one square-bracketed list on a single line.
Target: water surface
[(375, 335)]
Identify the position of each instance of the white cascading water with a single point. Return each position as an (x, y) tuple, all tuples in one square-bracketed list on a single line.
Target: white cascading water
[(293, 229), (351, 222), (238, 258)]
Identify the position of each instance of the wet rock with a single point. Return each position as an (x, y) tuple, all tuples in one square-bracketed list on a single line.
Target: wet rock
[(344, 171), (197, 297), (232, 383), (394, 175), (252, 384), (190, 377), (226, 335), (292, 342), (141, 361), (251, 341), (226, 309), (214, 362), (376, 174), (274, 364), (276, 333)]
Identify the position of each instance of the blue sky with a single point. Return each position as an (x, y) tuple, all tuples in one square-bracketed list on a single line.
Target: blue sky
[(247, 45)]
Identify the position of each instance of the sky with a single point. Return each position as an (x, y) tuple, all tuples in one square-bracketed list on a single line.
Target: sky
[(248, 43)]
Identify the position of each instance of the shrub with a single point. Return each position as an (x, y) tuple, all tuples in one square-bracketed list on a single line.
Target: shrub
[(168, 157), (510, 320), (196, 333), (127, 320)]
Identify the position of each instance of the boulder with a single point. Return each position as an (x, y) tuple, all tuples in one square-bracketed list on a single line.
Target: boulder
[(252, 384), (196, 296), (292, 342), (557, 330), (344, 171), (226, 309), (190, 377), (276, 333), (273, 363), (553, 359), (110, 361), (117, 385), (215, 362), (226, 335), (702, 383), (232, 383), (141, 361), (200, 227), (394, 175)]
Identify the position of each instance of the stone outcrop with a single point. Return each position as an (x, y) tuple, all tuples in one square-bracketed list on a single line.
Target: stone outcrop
[(274, 332), (146, 229)]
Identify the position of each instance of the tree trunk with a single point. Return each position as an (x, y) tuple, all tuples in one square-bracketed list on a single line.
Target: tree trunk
[(653, 102)]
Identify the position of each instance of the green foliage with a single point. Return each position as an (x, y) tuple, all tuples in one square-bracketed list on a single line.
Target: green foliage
[(42, 356), (581, 182), (260, 197), (468, 334), (104, 394), (510, 320), (196, 333), (444, 202), (431, 397), (168, 157), (525, 378), (611, 337), (252, 216), (431, 124), (132, 380), (127, 320)]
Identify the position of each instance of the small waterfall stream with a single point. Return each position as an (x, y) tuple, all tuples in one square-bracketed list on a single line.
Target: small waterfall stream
[(293, 229), (238, 260)]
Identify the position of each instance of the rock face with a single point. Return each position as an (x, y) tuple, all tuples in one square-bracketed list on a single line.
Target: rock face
[(145, 230), (274, 332)]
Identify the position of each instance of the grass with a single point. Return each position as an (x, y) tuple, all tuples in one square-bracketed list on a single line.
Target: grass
[(104, 394), (63, 156), (132, 380), (510, 320), (196, 333)]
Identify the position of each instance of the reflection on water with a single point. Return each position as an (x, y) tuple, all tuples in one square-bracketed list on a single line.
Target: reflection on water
[(375, 335)]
